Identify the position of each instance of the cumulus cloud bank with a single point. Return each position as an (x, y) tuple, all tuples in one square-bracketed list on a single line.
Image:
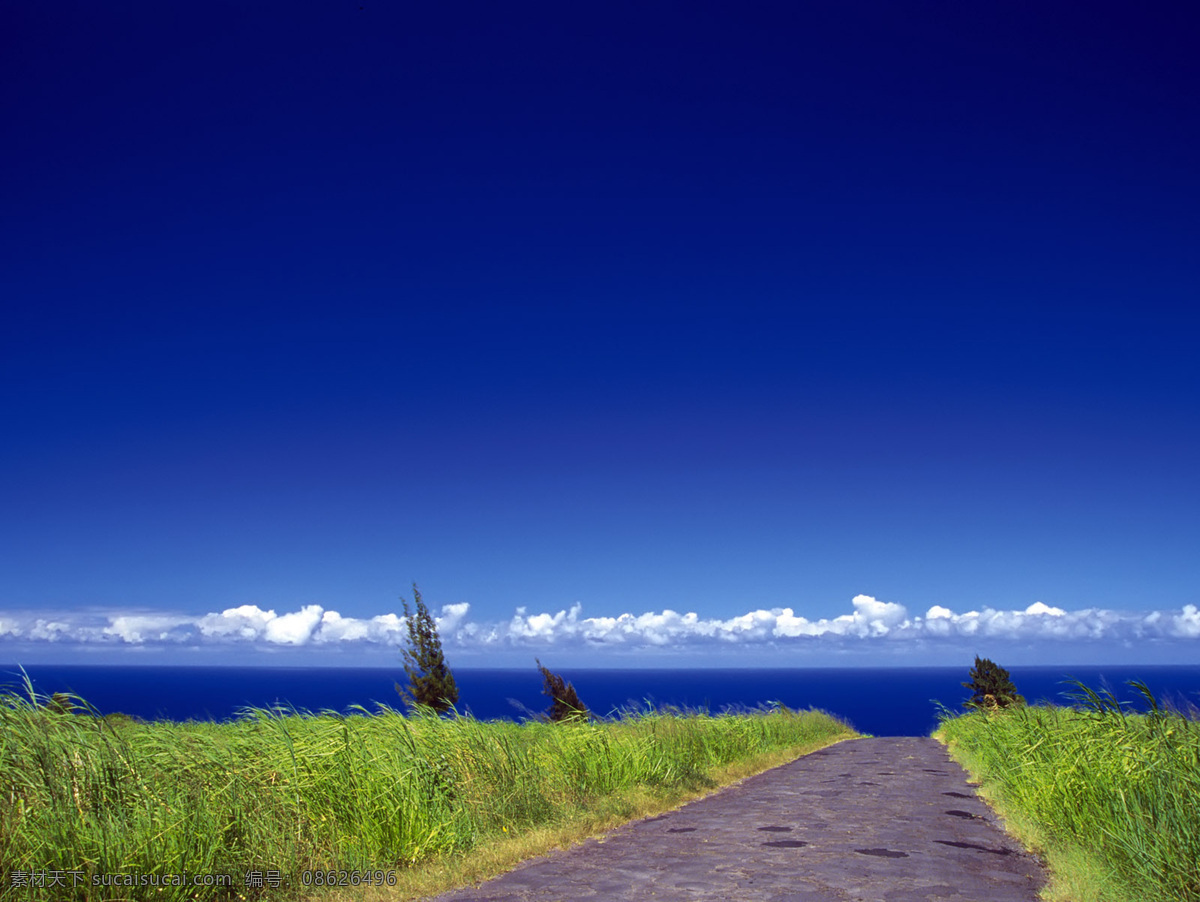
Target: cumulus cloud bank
[(870, 620)]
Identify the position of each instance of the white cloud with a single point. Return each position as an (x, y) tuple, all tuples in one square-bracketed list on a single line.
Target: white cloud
[(246, 622), (382, 629), (452, 616), (295, 628), (1039, 608), (1187, 624), (336, 628), (138, 628), (869, 620), (939, 621), (876, 618), (50, 630)]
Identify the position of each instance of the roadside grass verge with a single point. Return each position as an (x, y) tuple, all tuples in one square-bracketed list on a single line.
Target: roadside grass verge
[(417, 802), (500, 851), (1110, 798)]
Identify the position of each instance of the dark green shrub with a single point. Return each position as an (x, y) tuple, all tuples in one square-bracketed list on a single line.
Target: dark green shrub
[(430, 682), (991, 686), (566, 704)]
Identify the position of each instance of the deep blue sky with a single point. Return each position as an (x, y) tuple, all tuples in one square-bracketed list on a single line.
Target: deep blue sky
[(699, 307)]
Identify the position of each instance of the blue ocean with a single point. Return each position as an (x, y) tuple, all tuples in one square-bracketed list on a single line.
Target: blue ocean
[(883, 702)]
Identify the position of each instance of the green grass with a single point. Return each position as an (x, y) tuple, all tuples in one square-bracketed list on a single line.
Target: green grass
[(1111, 798), (291, 792)]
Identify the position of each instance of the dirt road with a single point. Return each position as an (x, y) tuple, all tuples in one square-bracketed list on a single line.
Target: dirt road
[(867, 820)]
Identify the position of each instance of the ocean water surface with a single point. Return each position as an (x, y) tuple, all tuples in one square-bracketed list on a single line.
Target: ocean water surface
[(884, 702)]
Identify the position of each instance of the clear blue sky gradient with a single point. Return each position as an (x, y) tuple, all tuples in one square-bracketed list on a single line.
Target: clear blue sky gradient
[(703, 307)]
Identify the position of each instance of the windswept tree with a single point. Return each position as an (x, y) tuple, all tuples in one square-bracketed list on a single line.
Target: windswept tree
[(991, 686), (430, 682), (565, 701)]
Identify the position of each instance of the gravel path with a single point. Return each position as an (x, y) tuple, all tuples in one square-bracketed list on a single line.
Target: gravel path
[(866, 820)]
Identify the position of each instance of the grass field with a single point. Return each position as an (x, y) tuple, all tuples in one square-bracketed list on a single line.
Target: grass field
[(1110, 798), (282, 797)]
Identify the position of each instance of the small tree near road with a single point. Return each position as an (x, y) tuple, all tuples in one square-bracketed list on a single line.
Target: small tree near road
[(430, 682), (566, 704), (991, 686)]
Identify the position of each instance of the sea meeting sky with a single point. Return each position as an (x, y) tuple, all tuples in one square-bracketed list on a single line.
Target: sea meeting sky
[(636, 334)]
